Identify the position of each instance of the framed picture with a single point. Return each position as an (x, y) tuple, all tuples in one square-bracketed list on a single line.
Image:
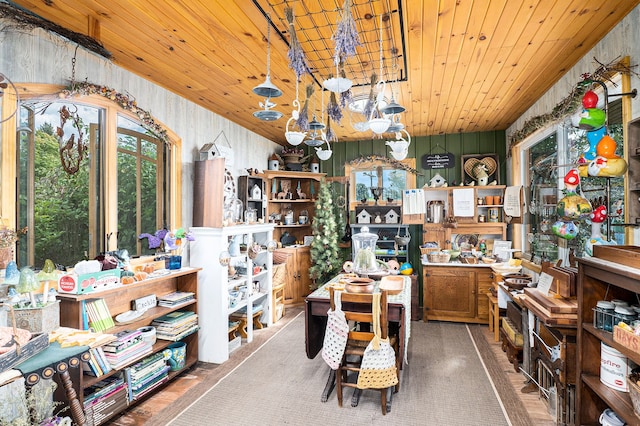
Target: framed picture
[(482, 169)]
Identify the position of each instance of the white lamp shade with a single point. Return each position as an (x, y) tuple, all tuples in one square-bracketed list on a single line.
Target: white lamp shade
[(337, 84), (379, 125), (295, 138)]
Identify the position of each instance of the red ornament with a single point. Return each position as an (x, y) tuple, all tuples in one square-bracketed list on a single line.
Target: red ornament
[(572, 178), (590, 99), (599, 215)]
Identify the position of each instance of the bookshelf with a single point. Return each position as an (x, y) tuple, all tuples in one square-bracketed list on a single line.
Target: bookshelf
[(119, 300)]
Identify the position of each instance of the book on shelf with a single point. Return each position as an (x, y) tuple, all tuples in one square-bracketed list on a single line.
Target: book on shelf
[(98, 315), (102, 409), (91, 367), (175, 298), (174, 317), (140, 393), (102, 388), (122, 358), (155, 376), (123, 340), (102, 361), (179, 336)]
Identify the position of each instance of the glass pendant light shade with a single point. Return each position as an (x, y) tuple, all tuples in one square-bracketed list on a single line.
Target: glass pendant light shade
[(314, 142), (315, 124), (392, 108), (267, 89), (267, 115)]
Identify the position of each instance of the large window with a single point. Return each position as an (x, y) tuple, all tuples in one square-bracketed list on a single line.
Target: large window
[(89, 179)]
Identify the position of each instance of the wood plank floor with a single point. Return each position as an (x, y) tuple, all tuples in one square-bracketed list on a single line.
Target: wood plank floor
[(143, 412)]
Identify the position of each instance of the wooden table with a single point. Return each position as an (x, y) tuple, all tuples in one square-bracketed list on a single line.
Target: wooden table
[(317, 305)]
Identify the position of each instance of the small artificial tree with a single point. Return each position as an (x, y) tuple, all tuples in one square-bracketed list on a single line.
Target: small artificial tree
[(325, 253)]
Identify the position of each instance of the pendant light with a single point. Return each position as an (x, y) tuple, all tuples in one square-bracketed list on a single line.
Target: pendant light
[(317, 137), (379, 124), (268, 89)]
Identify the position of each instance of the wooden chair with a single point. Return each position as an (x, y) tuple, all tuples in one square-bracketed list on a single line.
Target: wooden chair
[(357, 308)]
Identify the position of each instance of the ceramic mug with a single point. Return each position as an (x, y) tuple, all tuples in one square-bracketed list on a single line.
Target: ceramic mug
[(488, 199), (178, 355)]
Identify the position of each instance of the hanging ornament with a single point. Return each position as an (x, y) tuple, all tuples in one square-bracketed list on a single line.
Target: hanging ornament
[(346, 37), (573, 206), (598, 216), (303, 118), (565, 229), (297, 61), (333, 109)]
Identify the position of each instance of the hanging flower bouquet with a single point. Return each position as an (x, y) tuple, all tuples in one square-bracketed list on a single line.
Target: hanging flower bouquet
[(346, 37), (303, 119), (297, 61)]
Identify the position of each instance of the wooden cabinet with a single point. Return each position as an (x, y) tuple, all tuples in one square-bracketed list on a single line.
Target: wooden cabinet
[(118, 300), (211, 189), (633, 174), (456, 293), (221, 295), (293, 192), (297, 282), (491, 227), (601, 280)]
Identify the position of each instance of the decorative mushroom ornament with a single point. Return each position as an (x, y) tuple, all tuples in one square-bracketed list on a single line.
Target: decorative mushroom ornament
[(598, 216)]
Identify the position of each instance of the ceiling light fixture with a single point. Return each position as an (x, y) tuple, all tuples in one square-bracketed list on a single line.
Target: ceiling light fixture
[(268, 89)]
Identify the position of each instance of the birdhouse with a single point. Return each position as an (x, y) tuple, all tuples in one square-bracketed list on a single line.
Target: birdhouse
[(392, 216), (363, 217)]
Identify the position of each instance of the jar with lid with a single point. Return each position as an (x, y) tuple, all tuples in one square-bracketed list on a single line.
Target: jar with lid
[(604, 315), (624, 314)]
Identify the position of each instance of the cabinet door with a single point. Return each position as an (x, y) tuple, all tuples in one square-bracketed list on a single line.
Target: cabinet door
[(449, 294), (436, 233), (484, 281), (303, 260), (290, 290)]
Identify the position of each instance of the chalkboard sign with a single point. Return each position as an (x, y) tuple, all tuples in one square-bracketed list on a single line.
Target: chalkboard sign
[(438, 161)]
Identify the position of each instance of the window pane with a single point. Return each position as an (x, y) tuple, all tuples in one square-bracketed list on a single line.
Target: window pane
[(140, 207), (55, 181)]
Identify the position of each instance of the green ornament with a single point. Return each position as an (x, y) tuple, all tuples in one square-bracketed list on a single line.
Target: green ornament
[(27, 282), (48, 272)]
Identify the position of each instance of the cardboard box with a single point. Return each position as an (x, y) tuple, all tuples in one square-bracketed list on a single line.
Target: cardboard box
[(88, 283), (39, 320)]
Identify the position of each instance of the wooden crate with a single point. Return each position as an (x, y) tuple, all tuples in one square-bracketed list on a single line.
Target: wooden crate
[(624, 255), (39, 320), (627, 339), (37, 344)]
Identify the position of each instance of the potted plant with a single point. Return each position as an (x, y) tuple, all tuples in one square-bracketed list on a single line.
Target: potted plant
[(8, 238)]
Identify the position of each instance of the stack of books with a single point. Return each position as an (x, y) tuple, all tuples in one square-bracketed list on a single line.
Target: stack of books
[(176, 325), (146, 375), (105, 398), (98, 364), (99, 317), (176, 298), (127, 346)]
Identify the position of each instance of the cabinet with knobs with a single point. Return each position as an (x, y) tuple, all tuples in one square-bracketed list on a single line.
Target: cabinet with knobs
[(297, 281)]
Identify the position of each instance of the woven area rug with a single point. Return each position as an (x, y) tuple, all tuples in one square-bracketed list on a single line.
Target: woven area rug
[(445, 383)]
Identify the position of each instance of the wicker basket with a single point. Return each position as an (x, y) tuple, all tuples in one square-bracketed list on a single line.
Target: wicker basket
[(634, 392), (439, 257), (427, 250)]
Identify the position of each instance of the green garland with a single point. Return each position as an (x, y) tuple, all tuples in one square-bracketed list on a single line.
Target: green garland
[(126, 102), (569, 104), (395, 163)]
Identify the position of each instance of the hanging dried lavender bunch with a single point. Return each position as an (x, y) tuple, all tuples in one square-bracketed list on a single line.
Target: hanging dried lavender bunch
[(347, 96), (331, 135), (297, 61), (303, 119), (333, 109), (346, 36), (368, 108)]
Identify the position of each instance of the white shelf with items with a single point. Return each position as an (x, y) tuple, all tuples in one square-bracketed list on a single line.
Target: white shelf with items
[(218, 299)]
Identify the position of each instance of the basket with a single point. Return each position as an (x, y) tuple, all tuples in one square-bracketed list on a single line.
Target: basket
[(37, 343), (634, 392), (439, 257), (427, 250)]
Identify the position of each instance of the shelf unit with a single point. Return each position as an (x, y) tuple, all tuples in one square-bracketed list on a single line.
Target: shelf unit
[(633, 173), (275, 205), (118, 300), (385, 247), (250, 197), (444, 236), (215, 284), (601, 280)]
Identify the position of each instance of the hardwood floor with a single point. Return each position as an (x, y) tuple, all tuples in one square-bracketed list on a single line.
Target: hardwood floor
[(144, 412)]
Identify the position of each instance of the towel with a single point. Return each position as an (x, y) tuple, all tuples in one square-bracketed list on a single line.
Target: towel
[(512, 201)]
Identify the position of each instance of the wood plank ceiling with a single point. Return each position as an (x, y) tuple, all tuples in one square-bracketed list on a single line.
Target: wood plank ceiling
[(457, 66)]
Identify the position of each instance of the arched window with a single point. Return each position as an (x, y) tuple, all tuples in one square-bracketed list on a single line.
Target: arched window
[(90, 177)]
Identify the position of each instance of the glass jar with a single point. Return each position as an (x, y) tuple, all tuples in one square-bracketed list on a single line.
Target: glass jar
[(604, 315), (251, 215), (624, 314)]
